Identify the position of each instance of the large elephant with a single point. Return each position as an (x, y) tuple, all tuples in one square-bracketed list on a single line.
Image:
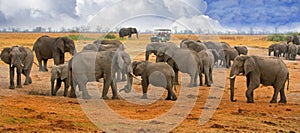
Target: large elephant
[(180, 59), (91, 66), (128, 32), (59, 73), (157, 74), (21, 58), (257, 70), (154, 46), (46, 47), (294, 39), (227, 55), (192, 45), (292, 52), (241, 50), (207, 62)]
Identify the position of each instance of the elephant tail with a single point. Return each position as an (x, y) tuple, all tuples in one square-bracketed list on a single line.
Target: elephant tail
[(288, 79)]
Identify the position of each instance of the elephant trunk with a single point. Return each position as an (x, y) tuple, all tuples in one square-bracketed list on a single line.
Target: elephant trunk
[(232, 80), (137, 35), (148, 52)]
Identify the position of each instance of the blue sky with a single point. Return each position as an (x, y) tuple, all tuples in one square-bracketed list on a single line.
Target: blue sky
[(205, 15)]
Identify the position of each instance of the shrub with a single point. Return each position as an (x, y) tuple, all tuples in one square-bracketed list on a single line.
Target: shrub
[(79, 37), (110, 36), (276, 37)]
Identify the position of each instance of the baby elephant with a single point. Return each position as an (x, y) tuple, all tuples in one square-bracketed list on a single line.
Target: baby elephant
[(158, 74), (59, 73)]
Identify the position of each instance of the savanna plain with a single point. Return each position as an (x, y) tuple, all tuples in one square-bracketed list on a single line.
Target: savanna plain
[(33, 109)]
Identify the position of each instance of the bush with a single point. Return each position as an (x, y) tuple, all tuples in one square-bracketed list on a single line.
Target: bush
[(110, 36), (79, 37), (276, 37)]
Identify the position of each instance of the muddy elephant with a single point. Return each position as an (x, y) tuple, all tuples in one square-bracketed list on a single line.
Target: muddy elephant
[(21, 58), (152, 48), (192, 45), (206, 66), (227, 55), (91, 66), (241, 50), (257, 70), (292, 52), (59, 74), (46, 47), (294, 39), (158, 74), (180, 59), (128, 32)]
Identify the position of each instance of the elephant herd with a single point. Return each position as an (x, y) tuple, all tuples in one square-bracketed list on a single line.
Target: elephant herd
[(108, 60), (289, 51)]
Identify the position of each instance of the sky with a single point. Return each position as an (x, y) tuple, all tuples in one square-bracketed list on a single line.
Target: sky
[(195, 15)]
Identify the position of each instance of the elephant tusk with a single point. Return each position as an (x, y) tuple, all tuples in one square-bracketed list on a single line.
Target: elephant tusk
[(232, 77), (135, 77), (11, 65)]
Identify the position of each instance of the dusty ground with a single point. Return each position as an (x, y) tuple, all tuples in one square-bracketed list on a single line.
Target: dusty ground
[(32, 109)]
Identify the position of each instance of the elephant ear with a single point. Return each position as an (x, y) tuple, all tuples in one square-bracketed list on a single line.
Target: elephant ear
[(249, 65), (60, 44), (23, 53), (170, 51), (64, 72), (5, 57), (139, 68)]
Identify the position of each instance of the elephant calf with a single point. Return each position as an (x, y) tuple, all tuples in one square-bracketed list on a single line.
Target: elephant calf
[(153, 73), (59, 73)]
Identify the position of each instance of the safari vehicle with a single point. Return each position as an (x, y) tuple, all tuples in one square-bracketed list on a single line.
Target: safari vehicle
[(161, 35)]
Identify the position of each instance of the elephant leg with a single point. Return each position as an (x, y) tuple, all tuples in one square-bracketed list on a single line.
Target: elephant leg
[(274, 98), (207, 77), (282, 95), (40, 65), (193, 81), (19, 85), (85, 94), (252, 85), (11, 77), (211, 76), (145, 84), (66, 87), (57, 86), (106, 84), (73, 87), (45, 65), (27, 78), (114, 89)]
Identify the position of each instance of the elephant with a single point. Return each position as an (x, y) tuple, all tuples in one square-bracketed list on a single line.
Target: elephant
[(280, 48), (192, 45), (241, 50), (104, 45), (46, 47), (59, 73), (154, 46), (90, 66), (213, 45), (292, 52), (158, 74), (207, 59), (216, 56), (128, 32), (257, 71), (227, 55), (21, 58), (294, 39), (180, 59), (91, 47)]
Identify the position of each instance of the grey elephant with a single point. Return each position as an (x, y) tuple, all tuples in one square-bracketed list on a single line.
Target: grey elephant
[(278, 49), (180, 59), (216, 56), (91, 47), (21, 58), (46, 47), (104, 45), (59, 73), (227, 55), (294, 39), (214, 45), (152, 48), (241, 50), (257, 70), (128, 32), (206, 66), (158, 74), (91, 66), (292, 52), (192, 45)]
